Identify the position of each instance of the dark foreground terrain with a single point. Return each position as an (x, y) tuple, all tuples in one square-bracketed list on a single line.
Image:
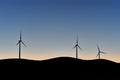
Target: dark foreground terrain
[(63, 67)]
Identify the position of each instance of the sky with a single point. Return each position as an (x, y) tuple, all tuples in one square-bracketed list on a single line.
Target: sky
[(49, 28)]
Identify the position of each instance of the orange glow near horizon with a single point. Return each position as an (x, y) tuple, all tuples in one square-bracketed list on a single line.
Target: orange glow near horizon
[(41, 56)]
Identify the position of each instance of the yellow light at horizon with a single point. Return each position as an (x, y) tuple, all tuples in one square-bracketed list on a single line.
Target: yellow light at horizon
[(44, 56)]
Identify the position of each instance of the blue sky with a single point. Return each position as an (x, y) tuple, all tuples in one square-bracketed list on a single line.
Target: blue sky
[(49, 28)]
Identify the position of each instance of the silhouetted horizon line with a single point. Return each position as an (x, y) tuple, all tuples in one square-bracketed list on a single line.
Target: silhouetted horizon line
[(62, 57)]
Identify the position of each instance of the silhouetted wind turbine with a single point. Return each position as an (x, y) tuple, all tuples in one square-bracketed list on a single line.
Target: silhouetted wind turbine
[(77, 46), (99, 52), (19, 43)]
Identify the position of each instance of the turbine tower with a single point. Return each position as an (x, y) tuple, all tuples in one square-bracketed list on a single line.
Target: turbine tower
[(99, 52), (77, 46), (20, 42)]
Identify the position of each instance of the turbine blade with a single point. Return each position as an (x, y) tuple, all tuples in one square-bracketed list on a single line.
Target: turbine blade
[(24, 44), (103, 52), (77, 39), (80, 48), (74, 46), (97, 55), (20, 35), (98, 47), (18, 43)]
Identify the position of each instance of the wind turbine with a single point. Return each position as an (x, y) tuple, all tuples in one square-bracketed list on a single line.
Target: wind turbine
[(99, 52), (77, 46), (20, 42)]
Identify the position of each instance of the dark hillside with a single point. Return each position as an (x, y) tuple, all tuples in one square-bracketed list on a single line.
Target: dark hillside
[(65, 66)]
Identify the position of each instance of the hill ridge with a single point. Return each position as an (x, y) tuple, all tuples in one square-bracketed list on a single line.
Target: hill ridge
[(60, 59)]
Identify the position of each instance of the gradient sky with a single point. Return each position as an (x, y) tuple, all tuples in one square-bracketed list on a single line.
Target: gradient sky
[(49, 28)]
